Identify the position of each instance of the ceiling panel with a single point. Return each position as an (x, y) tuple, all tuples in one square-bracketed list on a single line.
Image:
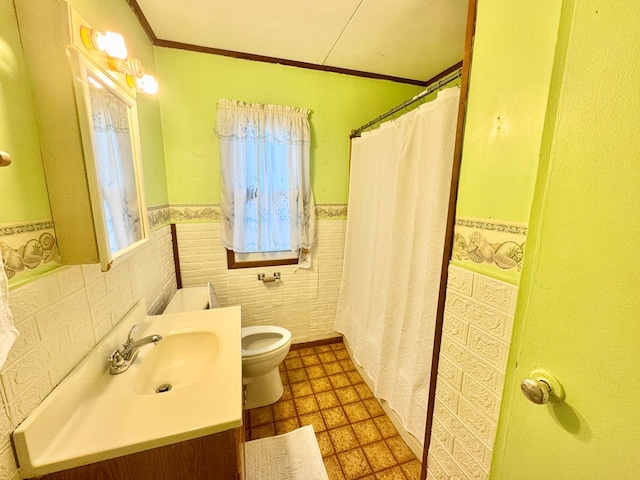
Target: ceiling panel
[(290, 29), (417, 41), (410, 39)]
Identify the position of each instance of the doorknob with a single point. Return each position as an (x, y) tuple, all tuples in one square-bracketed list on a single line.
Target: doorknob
[(542, 387)]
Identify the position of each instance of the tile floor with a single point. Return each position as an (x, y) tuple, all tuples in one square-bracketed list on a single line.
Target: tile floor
[(356, 438)]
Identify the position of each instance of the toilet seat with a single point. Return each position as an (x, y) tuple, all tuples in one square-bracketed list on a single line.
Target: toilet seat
[(262, 339)]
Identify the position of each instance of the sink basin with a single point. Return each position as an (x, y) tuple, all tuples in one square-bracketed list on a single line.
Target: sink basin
[(178, 360), (93, 415)]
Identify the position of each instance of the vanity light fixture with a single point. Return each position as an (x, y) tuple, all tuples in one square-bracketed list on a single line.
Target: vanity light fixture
[(111, 43), (131, 66)]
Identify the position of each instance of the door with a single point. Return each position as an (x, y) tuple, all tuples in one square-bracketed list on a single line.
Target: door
[(578, 312)]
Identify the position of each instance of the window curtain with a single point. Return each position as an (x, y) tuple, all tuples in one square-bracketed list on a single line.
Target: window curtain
[(266, 198), (116, 174)]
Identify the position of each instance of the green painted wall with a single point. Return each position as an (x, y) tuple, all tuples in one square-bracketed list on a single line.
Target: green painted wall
[(510, 75), (23, 193), (193, 82), (578, 306), (508, 91)]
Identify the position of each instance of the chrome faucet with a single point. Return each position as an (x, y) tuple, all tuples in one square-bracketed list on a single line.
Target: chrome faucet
[(121, 359)]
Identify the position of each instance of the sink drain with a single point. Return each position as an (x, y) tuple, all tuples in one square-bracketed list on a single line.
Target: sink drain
[(165, 387)]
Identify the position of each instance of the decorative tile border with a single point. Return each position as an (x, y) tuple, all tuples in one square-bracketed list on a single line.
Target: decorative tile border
[(27, 227), (210, 212), (331, 210), (488, 243), (25, 250)]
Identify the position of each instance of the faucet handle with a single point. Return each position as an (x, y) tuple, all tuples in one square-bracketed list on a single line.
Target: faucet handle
[(130, 339)]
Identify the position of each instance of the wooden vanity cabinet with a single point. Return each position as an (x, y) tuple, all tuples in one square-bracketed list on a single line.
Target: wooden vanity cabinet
[(214, 457)]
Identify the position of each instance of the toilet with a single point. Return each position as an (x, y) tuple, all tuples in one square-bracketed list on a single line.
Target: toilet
[(264, 347)]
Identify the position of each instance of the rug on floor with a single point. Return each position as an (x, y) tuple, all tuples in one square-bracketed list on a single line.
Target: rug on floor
[(290, 456)]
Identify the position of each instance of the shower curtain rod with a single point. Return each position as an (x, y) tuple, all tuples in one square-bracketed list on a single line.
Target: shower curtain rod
[(430, 89)]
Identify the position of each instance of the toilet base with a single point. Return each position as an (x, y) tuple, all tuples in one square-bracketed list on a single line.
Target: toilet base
[(263, 390)]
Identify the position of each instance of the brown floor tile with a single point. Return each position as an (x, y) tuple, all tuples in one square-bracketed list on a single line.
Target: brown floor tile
[(307, 351), (321, 384), (354, 377), (293, 363), (347, 395), (327, 399), (379, 456), (323, 348), (341, 354), (263, 431), (288, 425), (284, 409), (301, 389), (357, 440), (385, 426), (412, 469), (367, 432), (260, 416), (332, 368), (315, 371), (363, 391), (324, 442), (394, 473), (343, 438), (400, 449), (347, 364), (316, 419), (375, 409), (334, 417), (354, 463), (334, 470), (309, 360), (356, 412), (327, 357), (297, 375), (286, 394), (306, 404), (340, 380)]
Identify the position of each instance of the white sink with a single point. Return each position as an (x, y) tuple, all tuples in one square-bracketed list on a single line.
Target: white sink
[(93, 415), (179, 360)]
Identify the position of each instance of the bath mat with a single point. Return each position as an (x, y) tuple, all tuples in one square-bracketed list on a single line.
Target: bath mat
[(291, 456)]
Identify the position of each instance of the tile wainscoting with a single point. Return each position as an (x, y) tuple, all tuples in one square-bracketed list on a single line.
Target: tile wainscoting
[(304, 301), (61, 316), (478, 320)]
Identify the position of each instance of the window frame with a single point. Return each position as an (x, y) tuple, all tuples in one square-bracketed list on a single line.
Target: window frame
[(233, 263)]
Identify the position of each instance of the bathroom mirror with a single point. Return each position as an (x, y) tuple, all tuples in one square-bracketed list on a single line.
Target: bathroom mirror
[(113, 162)]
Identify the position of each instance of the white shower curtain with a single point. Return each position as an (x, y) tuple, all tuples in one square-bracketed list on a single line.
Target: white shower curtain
[(398, 198)]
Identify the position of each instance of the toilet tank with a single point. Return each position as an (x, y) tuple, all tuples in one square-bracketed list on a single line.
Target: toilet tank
[(189, 299)]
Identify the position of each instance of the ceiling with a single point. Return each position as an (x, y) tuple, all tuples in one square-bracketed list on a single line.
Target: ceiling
[(407, 39)]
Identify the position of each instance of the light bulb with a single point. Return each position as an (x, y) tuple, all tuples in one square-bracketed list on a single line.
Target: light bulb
[(148, 84), (111, 43)]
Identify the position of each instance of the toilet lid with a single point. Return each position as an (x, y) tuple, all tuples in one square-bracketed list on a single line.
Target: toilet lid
[(262, 339)]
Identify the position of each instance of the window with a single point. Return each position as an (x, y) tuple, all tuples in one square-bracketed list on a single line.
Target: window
[(266, 203)]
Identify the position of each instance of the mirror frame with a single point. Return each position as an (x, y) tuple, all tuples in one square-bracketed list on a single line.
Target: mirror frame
[(83, 67)]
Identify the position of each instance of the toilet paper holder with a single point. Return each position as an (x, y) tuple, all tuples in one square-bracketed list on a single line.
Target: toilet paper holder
[(264, 279)]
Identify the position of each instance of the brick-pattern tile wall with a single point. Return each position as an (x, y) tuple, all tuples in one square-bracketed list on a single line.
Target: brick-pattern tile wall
[(477, 331), (304, 302), (62, 315)]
